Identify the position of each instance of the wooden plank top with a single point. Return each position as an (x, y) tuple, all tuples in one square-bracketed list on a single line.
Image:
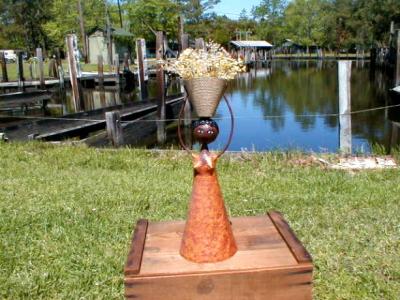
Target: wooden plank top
[(135, 255), (297, 248), (260, 246)]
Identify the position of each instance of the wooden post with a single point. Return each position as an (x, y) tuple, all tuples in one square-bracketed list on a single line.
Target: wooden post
[(188, 108), (72, 65), (184, 43), (39, 55), (4, 75), (142, 67), (102, 94), (183, 38), (397, 79), (180, 33), (344, 76), (20, 68), (114, 128), (161, 111), (199, 42), (100, 69)]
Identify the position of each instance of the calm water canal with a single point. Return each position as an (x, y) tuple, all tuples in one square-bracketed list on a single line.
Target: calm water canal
[(287, 105)]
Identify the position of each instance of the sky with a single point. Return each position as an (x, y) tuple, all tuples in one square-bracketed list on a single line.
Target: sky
[(232, 8)]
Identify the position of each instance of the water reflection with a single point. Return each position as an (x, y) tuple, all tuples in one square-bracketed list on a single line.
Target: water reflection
[(290, 105), (285, 104), (107, 96)]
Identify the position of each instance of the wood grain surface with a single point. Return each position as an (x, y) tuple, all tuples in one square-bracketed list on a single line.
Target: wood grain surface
[(297, 248), (135, 255), (266, 265)]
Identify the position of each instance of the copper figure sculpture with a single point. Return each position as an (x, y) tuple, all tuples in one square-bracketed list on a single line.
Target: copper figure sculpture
[(208, 234)]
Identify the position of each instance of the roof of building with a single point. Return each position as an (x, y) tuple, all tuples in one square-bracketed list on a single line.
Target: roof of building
[(252, 44), (114, 32), (121, 32), (290, 43)]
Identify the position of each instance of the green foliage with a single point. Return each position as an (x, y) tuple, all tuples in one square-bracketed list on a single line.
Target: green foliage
[(304, 20), (196, 10), (22, 23), (65, 19), (148, 16), (270, 14), (373, 19), (334, 24)]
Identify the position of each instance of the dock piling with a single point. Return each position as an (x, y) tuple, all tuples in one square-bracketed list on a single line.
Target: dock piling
[(39, 55), (20, 68), (142, 67), (187, 113), (100, 69), (114, 128), (4, 75), (161, 109), (344, 76), (73, 69)]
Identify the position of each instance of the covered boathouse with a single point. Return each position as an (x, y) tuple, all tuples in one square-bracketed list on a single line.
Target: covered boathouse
[(251, 51)]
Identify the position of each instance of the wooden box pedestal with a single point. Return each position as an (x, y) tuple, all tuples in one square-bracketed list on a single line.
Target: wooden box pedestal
[(270, 263)]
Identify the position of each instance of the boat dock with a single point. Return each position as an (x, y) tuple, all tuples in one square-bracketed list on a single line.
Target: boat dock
[(77, 124), (19, 99)]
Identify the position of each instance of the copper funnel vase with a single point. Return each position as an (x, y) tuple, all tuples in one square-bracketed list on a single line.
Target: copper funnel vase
[(208, 234), (205, 94)]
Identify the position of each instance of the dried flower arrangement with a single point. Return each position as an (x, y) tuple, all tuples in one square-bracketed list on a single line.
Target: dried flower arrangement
[(211, 62)]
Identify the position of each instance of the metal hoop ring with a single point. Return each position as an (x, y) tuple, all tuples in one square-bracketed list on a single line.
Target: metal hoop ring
[(230, 133)]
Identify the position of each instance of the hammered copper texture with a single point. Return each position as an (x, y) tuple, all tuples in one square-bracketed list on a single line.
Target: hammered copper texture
[(208, 234)]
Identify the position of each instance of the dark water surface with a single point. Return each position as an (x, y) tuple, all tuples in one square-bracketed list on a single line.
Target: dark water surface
[(287, 105)]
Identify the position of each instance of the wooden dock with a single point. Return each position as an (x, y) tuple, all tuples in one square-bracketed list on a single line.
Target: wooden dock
[(79, 124), (19, 99), (86, 76), (142, 132)]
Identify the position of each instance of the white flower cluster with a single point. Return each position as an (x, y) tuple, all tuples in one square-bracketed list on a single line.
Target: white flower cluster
[(213, 61)]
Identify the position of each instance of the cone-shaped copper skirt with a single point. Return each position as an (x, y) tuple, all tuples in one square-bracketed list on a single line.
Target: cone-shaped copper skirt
[(208, 234)]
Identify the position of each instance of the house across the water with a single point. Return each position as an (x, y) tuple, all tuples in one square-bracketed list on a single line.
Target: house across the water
[(98, 43)]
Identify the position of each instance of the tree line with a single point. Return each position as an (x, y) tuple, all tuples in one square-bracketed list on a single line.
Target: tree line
[(331, 24)]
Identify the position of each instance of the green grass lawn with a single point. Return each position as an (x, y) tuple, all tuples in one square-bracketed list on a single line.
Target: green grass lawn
[(66, 216)]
